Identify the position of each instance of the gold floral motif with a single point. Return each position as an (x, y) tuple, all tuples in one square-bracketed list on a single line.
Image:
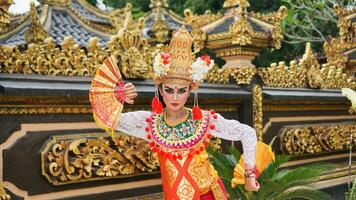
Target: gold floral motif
[(36, 33), (200, 20), (311, 64), (202, 172), (274, 18), (45, 110), (347, 29), (160, 30), (317, 139), (48, 58), (306, 73), (334, 52), (242, 75), (69, 159), (185, 190), (117, 16), (257, 110), (171, 172), (56, 2), (241, 31), (134, 53), (158, 3), (234, 3)]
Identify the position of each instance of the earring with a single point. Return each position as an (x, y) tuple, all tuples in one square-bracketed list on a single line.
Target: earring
[(197, 113), (156, 105)]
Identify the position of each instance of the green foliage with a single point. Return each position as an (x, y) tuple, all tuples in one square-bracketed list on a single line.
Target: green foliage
[(275, 184), (92, 2)]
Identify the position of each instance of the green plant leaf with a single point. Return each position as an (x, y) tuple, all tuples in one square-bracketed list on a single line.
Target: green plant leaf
[(303, 193)]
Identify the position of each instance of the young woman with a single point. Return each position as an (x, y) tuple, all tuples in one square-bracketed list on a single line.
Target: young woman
[(178, 134)]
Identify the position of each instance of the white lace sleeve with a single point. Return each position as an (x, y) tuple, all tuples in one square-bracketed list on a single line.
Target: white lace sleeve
[(234, 130), (134, 123)]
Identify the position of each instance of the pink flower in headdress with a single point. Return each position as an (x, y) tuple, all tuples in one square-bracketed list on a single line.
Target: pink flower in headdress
[(206, 59), (162, 63), (201, 67), (166, 58)]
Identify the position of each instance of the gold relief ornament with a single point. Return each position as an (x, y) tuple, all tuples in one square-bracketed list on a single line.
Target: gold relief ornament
[(274, 18), (241, 31), (132, 51), (306, 72), (49, 58), (4, 12), (347, 29), (3, 195), (36, 33), (257, 96), (73, 158), (317, 138)]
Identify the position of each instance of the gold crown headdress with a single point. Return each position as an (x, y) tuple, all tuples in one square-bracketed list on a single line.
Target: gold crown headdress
[(177, 65)]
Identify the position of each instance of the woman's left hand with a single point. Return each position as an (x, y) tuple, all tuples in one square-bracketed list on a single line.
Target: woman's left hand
[(251, 184)]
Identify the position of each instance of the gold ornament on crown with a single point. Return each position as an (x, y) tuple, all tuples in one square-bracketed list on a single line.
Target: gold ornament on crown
[(176, 65)]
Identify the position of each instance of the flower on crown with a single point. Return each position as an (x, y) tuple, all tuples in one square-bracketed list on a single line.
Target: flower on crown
[(162, 63), (201, 67)]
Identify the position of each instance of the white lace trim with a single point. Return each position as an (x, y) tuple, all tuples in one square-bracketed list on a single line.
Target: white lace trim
[(134, 123)]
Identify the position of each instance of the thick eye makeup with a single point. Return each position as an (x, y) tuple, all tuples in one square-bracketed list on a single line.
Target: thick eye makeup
[(169, 90)]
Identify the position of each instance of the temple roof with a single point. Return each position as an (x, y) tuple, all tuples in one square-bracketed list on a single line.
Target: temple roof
[(74, 19), (225, 23), (160, 21)]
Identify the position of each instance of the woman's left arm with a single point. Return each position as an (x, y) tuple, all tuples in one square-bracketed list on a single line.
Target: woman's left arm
[(234, 130)]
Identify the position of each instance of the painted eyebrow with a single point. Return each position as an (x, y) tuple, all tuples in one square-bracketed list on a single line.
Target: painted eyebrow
[(166, 87)]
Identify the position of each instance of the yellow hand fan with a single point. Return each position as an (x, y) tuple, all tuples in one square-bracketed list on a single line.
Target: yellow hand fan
[(107, 95)]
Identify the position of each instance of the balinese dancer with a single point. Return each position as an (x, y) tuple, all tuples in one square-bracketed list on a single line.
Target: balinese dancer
[(178, 134)]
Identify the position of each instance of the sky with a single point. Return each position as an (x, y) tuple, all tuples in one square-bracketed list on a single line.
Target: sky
[(21, 6)]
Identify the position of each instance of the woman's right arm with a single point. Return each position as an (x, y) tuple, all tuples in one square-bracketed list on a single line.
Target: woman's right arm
[(134, 123)]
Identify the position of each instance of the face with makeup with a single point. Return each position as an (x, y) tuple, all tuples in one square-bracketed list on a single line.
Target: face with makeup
[(175, 95)]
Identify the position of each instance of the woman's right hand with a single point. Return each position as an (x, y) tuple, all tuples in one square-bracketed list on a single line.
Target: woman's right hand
[(130, 93)]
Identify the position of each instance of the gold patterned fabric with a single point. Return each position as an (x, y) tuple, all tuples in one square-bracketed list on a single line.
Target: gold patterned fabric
[(190, 177)]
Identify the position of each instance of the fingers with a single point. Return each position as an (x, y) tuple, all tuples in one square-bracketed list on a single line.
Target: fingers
[(129, 101), (129, 88), (130, 93), (131, 96)]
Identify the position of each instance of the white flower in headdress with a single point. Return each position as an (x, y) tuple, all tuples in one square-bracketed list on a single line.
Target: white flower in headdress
[(162, 63), (201, 67)]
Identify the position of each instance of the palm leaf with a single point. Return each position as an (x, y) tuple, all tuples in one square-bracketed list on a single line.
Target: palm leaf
[(235, 152), (222, 163), (272, 168), (289, 178), (302, 193)]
